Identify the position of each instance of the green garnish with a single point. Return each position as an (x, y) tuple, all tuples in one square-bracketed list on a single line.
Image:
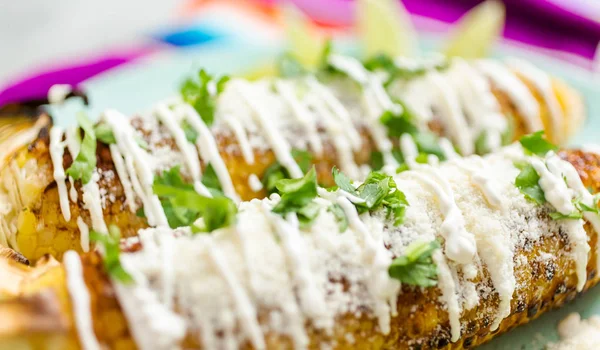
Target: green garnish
[(104, 134), (481, 144), (416, 266), (190, 133), (297, 197), (527, 183), (326, 53), (112, 250), (386, 63), (342, 181), (211, 181), (84, 164), (399, 124), (378, 191), (340, 216), (201, 96), (536, 144), (508, 135), (183, 206), (583, 207), (276, 171), (573, 215), (288, 66)]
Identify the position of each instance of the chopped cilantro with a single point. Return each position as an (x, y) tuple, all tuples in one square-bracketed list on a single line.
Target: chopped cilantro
[(340, 216), (416, 266), (342, 181), (288, 66), (527, 183), (376, 161), (325, 53), (573, 215), (536, 144), (583, 207), (481, 144), (296, 195), (509, 134), (190, 133), (378, 191), (112, 250), (427, 142), (201, 93), (104, 134), (386, 63), (84, 164), (399, 124), (183, 206), (211, 181), (276, 171)]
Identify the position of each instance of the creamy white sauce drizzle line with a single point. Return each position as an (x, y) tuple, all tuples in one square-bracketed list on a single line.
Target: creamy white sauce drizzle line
[(140, 170), (449, 106), (248, 314), (279, 145), (338, 110), (381, 286), (80, 300), (123, 177), (242, 139), (335, 130), (562, 168), (84, 233), (93, 203), (559, 196), (56, 154), (209, 150), (302, 114), (542, 82), (311, 299), (167, 118), (518, 92)]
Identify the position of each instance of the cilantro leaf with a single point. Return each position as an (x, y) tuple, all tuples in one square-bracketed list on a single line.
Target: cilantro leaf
[(376, 162), (201, 93), (297, 197), (340, 216), (104, 134), (112, 250), (288, 66), (509, 134), (190, 133), (386, 63), (573, 215), (427, 142), (183, 206), (398, 124), (326, 53), (211, 180), (416, 266), (536, 144), (481, 144), (276, 171), (84, 164), (583, 207), (527, 183), (342, 181), (378, 191)]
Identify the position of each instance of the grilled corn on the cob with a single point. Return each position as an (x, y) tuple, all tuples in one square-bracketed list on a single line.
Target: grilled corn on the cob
[(510, 250), (338, 121)]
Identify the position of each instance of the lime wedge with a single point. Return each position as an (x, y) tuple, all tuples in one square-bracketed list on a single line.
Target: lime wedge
[(306, 43), (476, 32), (385, 27)]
